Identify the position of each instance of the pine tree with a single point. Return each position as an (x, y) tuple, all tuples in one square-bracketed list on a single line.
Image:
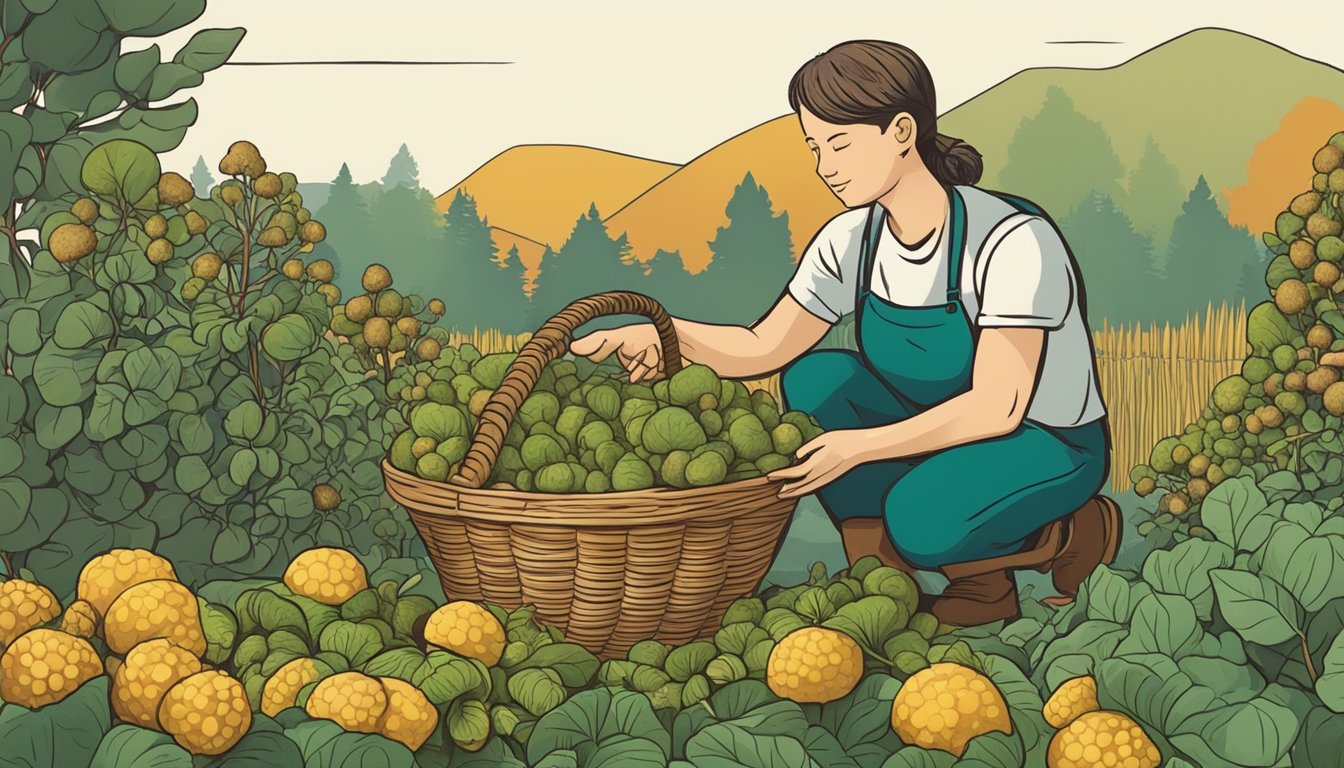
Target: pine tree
[(406, 229), (349, 226), (1155, 195), (402, 170), (1059, 137), (1207, 257), (201, 179), (752, 259), (589, 262), (1115, 261), (485, 288), (680, 292), (465, 231)]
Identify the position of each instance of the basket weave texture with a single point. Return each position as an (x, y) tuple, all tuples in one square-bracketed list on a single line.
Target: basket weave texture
[(609, 569)]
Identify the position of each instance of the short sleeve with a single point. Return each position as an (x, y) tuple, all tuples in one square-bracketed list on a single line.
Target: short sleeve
[(824, 281), (1028, 281)]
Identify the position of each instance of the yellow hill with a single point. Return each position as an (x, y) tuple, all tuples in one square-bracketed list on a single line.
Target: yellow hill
[(684, 211), (542, 189)]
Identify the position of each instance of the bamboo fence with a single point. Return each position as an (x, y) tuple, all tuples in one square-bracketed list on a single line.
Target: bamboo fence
[(1154, 379)]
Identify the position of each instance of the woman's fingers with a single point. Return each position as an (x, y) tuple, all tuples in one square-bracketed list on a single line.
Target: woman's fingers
[(640, 366), (596, 346), (790, 472), (821, 477), (650, 358)]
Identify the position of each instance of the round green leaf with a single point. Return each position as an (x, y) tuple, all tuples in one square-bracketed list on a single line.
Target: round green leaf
[(81, 324), (25, 336), (232, 544), (195, 434), (468, 721), (13, 403), (242, 465), (244, 421), (121, 168), (15, 498), (289, 338), (1267, 328), (54, 427), (65, 377), (150, 18)]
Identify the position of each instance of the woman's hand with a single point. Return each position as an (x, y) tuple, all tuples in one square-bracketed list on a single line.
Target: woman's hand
[(828, 457), (636, 346)]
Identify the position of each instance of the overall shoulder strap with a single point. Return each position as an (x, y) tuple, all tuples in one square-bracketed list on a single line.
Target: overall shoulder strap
[(1020, 203), (872, 231), (956, 243)]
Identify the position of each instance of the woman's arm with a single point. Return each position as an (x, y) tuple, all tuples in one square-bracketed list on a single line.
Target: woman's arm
[(738, 352), (1004, 377), (1007, 361), (733, 351)]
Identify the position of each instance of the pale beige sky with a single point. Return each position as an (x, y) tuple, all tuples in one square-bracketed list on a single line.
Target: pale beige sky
[(662, 80)]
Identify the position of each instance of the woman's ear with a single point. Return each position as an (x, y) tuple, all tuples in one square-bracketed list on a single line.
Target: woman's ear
[(902, 128)]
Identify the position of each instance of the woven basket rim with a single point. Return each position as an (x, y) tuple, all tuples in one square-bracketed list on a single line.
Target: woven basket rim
[(623, 509)]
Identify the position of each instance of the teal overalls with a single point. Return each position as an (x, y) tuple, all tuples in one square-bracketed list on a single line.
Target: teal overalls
[(969, 502)]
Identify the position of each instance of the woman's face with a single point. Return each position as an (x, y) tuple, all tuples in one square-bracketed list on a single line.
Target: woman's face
[(858, 161)]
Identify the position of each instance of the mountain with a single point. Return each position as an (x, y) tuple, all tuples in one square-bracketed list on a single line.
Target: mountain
[(535, 193), (684, 211), (1206, 97)]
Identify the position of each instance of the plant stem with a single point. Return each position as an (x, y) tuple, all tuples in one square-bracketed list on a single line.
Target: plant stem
[(10, 573), (387, 366), (246, 231), (1306, 657), (888, 662), (255, 369)]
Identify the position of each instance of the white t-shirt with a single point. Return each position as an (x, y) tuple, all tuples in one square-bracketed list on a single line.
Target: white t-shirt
[(1016, 272)]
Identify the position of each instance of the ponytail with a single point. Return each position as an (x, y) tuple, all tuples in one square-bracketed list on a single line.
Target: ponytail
[(954, 162)]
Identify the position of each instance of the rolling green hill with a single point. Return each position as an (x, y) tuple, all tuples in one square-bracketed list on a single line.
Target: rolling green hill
[(1207, 97)]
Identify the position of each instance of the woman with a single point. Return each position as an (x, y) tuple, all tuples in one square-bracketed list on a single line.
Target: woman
[(969, 420)]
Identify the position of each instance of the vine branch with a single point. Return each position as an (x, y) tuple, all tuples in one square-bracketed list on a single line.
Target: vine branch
[(1306, 657)]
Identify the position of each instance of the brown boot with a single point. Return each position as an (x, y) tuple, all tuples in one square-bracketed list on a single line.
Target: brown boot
[(973, 598), (1093, 539), (864, 536)]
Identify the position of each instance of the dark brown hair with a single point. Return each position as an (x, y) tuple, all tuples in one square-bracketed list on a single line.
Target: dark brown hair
[(872, 81)]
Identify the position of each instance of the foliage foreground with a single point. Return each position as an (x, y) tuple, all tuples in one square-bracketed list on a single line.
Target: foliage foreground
[(1217, 653)]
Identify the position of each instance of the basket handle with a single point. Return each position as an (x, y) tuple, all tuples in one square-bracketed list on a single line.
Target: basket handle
[(548, 343)]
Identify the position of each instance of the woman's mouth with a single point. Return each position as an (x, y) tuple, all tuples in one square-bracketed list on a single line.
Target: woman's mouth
[(840, 187)]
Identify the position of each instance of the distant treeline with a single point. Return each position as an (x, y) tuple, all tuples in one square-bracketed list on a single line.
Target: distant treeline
[(1149, 250)]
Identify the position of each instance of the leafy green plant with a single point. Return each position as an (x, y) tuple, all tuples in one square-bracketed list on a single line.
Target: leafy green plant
[(1283, 410), (1227, 650), (174, 387)]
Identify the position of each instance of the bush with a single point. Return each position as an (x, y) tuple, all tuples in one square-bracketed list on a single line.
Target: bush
[(1284, 410), (205, 413)]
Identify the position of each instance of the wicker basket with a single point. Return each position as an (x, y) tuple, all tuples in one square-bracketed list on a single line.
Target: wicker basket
[(609, 569)]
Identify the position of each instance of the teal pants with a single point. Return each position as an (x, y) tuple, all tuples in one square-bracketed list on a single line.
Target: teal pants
[(968, 502)]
